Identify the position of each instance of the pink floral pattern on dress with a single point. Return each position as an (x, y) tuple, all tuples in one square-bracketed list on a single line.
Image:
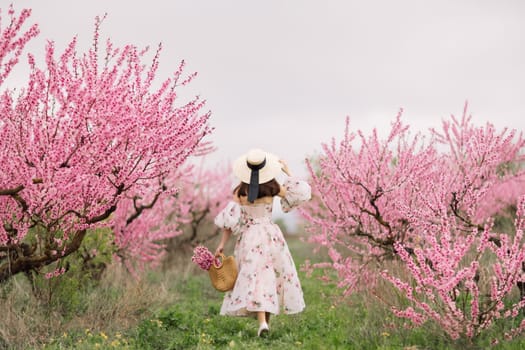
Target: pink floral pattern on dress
[(267, 279)]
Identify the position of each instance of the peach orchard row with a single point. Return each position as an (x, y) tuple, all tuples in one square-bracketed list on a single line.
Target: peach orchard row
[(92, 140)]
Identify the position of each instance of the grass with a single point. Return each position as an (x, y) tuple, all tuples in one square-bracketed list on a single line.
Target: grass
[(178, 309)]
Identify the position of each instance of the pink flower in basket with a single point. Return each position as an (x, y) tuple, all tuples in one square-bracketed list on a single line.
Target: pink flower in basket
[(202, 257)]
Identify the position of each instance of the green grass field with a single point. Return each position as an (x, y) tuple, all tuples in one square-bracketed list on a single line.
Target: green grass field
[(181, 311)]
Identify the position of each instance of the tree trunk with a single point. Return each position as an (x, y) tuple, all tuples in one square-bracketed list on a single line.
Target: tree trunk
[(16, 263)]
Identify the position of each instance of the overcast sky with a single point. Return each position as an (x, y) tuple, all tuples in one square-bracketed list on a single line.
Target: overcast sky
[(283, 75)]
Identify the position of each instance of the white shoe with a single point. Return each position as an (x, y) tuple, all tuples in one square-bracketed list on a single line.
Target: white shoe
[(263, 330)]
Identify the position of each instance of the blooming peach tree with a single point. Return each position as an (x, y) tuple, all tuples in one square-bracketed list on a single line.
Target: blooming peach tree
[(205, 193), (428, 204), (91, 135), (201, 193)]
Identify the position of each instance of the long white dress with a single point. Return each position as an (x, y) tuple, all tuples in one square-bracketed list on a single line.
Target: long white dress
[(267, 279)]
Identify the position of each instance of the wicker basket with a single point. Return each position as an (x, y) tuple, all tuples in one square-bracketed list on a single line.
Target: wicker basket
[(223, 276)]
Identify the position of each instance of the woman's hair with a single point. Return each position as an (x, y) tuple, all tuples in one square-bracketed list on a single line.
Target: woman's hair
[(267, 189)]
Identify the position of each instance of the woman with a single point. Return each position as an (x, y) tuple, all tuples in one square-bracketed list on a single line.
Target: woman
[(267, 282)]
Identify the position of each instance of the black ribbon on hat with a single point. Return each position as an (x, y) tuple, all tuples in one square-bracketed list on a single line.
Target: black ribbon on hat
[(253, 189)]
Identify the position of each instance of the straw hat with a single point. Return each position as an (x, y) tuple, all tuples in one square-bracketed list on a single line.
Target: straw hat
[(267, 164)]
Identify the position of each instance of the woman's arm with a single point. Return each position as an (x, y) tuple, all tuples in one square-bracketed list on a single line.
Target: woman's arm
[(226, 233), (282, 192), (286, 170)]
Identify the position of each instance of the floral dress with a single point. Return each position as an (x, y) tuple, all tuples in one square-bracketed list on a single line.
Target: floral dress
[(267, 279)]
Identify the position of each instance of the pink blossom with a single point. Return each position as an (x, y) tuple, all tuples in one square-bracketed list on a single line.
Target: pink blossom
[(57, 272), (203, 257)]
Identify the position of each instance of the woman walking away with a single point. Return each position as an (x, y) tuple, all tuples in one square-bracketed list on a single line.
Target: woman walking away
[(267, 282)]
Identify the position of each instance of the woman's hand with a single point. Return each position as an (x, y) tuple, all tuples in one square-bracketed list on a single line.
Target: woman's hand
[(284, 167), (219, 250)]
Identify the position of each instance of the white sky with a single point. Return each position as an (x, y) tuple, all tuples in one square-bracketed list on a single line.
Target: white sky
[(283, 74)]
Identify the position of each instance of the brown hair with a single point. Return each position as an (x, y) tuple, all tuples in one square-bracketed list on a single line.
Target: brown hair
[(267, 189)]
